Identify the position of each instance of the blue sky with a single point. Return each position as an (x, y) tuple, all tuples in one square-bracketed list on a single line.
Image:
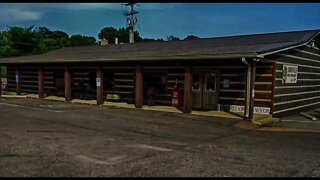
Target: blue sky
[(158, 20)]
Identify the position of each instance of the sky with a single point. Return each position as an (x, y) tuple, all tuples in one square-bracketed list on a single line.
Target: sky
[(159, 20)]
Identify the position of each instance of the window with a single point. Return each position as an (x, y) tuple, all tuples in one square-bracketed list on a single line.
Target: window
[(196, 82), (210, 80)]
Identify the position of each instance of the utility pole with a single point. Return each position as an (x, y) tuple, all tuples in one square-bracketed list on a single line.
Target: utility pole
[(131, 20)]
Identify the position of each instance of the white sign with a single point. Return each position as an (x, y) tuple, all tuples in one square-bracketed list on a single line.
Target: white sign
[(234, 108), (226, 83), (262, 110), (290, 74), (98, 82), (258, 110), (175, 101)]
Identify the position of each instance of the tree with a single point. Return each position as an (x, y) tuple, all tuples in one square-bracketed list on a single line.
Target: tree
[(8, 51), (191, 37), (17, 41), (61, 37), (43, 32), (3, 71), (173, 38), (79, 40), (46, 44), (151, 40), (122, 34), (23, 40), (109, 33)]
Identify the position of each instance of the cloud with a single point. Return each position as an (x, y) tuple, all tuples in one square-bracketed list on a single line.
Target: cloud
[(10, 15), (96, 6)]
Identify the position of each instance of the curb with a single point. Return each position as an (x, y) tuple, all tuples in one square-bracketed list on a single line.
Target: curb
[(13, 96), (251, 126)]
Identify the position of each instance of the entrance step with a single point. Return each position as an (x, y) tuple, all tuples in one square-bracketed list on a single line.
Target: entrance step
[(8, 94), (262, 119)]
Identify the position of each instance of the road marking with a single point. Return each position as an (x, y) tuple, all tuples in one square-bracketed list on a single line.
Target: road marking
[(299, 121), (86, 158), (16, 105), (145, 146)]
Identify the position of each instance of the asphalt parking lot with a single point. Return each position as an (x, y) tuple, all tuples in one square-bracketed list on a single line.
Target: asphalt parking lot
[(54, 139)]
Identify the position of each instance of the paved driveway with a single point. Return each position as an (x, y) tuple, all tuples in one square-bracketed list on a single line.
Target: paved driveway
[(46, 138)]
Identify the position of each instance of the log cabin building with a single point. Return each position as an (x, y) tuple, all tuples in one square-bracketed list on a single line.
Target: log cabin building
[(274, 73)]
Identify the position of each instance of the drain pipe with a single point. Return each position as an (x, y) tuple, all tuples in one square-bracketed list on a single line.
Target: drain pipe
[(248, 84)]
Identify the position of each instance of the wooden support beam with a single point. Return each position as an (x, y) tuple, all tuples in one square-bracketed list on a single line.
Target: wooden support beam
[(67, 83), (40, 82), (273, 87), (99, 83), (249, 97), (218, 86), (187, 102), (252, 89), (0, 81), (247, 91), (18, 82), (139, 87)]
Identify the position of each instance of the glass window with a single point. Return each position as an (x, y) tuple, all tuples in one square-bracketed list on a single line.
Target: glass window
[(210, 82), (196, 82)]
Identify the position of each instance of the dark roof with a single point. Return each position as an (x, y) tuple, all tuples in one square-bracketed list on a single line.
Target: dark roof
[(255, 45)]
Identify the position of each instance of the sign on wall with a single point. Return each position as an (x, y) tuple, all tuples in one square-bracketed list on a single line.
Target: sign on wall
[(290, 74), (226, 83), (17, 78), (258, 110), (98, 82)]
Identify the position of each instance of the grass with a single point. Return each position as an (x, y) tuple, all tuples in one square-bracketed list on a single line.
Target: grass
[(3, 71)]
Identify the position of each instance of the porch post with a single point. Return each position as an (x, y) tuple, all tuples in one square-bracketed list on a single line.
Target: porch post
[(40, 82), (0, 81), (187, 90), (99, 84), (18, 82), (247, 90), (252, 89), (139, 87), (67, 83)]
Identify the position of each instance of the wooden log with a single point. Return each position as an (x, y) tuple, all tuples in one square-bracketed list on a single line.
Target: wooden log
[(0, 82), (18, 83), (308, 116), (139, 87), (40, 82), (187, 90), (99, 83), (252, 93), (67, 83), (218, 86), (273, 87)]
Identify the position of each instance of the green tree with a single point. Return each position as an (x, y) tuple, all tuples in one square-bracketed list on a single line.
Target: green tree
[(191, 37), (3, 71), (23, 40), (61, 37), (8, 51), (110, 33), (48, 40), (173, 38), (43, 32), (46, 44), (151, 39), (79, 40)]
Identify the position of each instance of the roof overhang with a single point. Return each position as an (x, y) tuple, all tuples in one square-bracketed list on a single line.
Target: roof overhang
[(164, 58), (288, 48)]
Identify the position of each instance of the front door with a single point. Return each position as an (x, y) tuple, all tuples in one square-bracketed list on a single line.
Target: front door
[(204, 90)]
